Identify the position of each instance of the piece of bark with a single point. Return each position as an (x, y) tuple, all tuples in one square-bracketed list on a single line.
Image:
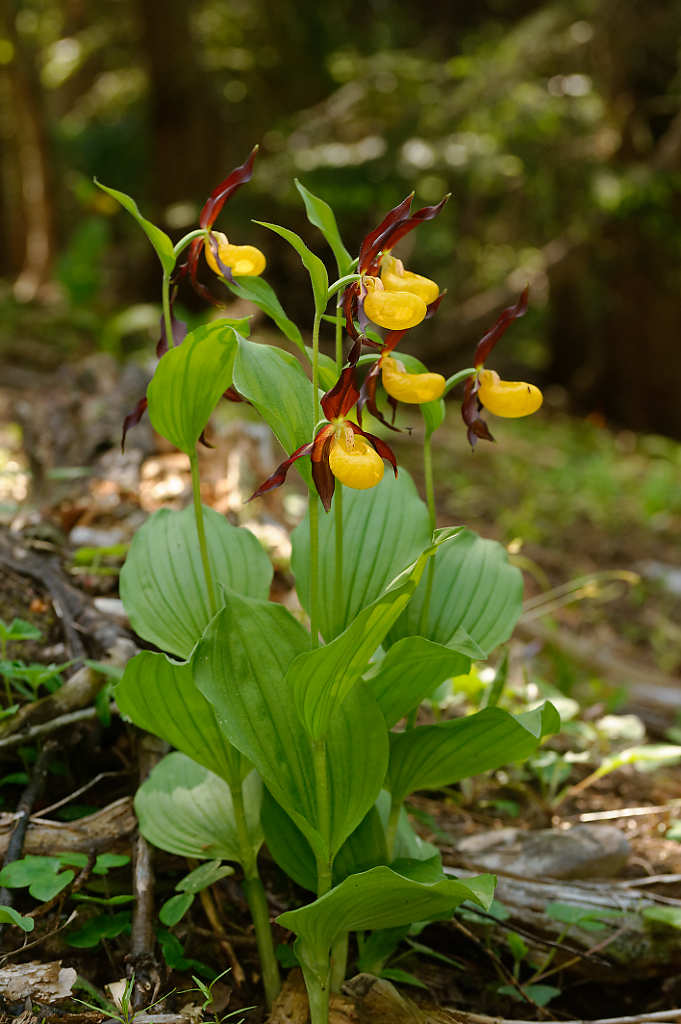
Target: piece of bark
[(42, 982), (584, 851), (95, 832), (627, 948)]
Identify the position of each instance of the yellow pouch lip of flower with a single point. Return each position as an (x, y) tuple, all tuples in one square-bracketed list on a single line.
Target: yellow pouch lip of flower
[(396, 311), (508, 398), (395, 279), (411, 388), (359, 467), (243, 260)]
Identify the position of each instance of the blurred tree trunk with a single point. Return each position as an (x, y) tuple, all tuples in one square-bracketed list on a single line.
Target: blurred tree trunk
[(32, 156), (184, 120)]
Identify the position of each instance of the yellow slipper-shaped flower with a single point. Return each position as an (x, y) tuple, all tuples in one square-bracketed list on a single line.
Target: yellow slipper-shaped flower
[(509, 398), (396, 279), (242, 260), (354, 462), (396, 311), (413, 388)]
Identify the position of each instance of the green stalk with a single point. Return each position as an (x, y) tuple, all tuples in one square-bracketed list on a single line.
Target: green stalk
[(391, 830), (318, 998), (257, 901), (430, 498), (338, 597), (167, 319), (339, 961), (200, 529), (314, 497), (456, 378)]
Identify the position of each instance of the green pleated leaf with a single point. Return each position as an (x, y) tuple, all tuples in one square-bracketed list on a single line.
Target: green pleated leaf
[(431, 756), (161, 697), (474, 589), (408, 845), (185, 809), (321, 679), (160, 241), (162, 583), (322, 216), (412, 669), (261, 294), (314, 266), (287, 844), (275, 383), (328, 372), (240, 665), (378, 898), (189, 381), (363, 849), (384, 529)]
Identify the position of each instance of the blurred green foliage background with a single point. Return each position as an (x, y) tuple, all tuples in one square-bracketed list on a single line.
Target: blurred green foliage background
[(556, 126)]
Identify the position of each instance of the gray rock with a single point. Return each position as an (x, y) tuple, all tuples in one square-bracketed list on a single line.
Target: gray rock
[(585, 851)]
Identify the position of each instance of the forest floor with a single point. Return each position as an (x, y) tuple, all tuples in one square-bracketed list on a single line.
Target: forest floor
[(591, 515)]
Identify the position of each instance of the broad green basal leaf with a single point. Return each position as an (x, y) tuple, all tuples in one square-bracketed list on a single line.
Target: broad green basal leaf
[(474, 589), (378, 898), (321, 679), (314, 266), (275, 383), (412, 669), (240, 665), (384, 529), (162, 582), (187, 810), (431, 756), (322, 216), (188, 383), (160, 241), (161, 696)]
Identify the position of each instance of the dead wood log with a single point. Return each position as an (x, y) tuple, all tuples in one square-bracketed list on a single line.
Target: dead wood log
[(96, 832), (631, 947)]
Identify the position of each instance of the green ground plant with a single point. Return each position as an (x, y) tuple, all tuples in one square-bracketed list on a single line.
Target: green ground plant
[(301, 731)]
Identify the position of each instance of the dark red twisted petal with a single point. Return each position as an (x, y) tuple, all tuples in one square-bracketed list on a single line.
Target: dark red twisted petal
[(219, 196), (133, 418), (400, 229), (392, 340), (350, 297), (383, 449), (324, 480), (470, 412), (368, 398), (343, 395), (277, 478), (373, 243), (432, 307), (179, 329), (508, 315), (232, 395)]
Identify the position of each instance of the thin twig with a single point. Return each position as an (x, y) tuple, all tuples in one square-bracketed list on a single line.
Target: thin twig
[(78, 792), (501, 967), (211, 913), (641, 1018), (628, 812), (24, 808), (40, 939), (46, 728)]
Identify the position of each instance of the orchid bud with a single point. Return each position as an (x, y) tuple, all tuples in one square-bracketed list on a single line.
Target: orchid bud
[(354, 462), (397, 311), (396, 279), (508, 398), (413, 388), (242, 260)]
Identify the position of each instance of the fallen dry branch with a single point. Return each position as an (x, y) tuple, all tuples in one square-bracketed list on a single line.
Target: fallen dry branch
[(634, 949), (96, 832)]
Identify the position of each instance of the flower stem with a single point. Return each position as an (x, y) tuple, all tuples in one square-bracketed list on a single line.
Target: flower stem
[(339, 961), (456, 378), (391, 830), (338, 602), (167, 318), (430, 498), (200, 529), (314, 498)]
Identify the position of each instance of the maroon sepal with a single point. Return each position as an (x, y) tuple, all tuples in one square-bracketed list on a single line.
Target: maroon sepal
[(192, 264), (133, 418), (342, 396), (232, 395), (324, 480), (403, 228), (373, 243), (204, 441), (350, 297), (392, 340), (223, 268), (508, 315), (277, 478), (355, 352), (383, 449), (470, 412), (432, 307)]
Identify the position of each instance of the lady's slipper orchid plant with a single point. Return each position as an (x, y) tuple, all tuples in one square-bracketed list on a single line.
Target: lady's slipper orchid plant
[(305, 737), (340, 450), (485, 389)]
